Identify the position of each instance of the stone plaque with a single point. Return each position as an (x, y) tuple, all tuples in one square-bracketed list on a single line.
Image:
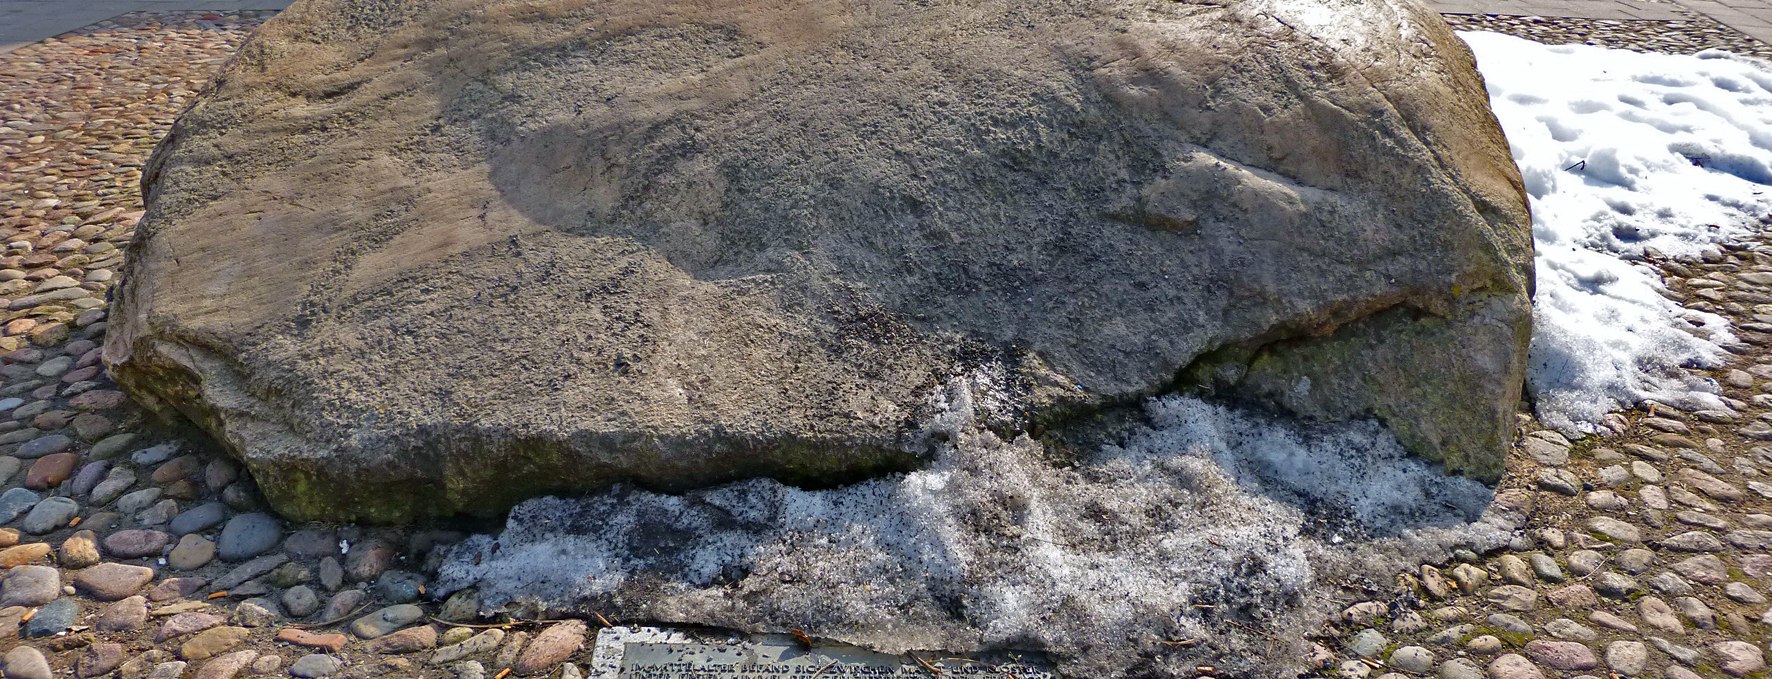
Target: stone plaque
[(773, 657)]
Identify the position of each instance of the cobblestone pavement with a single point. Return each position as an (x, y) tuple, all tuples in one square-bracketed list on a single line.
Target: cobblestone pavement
[(23, 22), (1686, 35), (1648, 553), (1750, 18)]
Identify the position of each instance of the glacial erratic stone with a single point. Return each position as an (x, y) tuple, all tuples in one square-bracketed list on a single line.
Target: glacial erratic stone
[(531, 250)]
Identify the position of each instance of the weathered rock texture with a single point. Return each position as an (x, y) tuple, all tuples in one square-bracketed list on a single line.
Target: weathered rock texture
[(435, 256)]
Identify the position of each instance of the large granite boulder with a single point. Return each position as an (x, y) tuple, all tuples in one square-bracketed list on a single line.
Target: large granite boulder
[(435, 256)]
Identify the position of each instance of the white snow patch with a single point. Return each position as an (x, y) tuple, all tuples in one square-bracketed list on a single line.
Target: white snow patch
[(1207, 514), (1623, 151)]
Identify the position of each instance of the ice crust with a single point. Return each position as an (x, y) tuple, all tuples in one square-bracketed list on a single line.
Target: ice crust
[(1622, 152), (1209, 523)]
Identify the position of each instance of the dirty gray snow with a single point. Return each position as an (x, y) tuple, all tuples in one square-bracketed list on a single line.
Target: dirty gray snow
[(1206, 523)]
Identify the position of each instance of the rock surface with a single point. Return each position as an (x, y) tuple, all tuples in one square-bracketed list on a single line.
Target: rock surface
[(735, 247), (79, 94)]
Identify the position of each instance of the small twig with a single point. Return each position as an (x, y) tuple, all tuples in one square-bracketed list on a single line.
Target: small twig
[(501, 625), (821, 670), (931, 668), (334, 621)]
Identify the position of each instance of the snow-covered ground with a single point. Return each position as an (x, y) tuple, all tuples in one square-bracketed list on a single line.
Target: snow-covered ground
[(1623, 152)]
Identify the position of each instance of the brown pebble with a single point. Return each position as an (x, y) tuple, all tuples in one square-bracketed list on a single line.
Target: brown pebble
[(23, 554), (112, 581), (409, 640), (212, 642), (99, 659), (50, 471), (80, 550), (301, 637), (552, 647)]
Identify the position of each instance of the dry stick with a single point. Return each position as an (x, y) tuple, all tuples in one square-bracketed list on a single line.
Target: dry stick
[(501, 625), (334, 621), (931, 668), (821, 670)]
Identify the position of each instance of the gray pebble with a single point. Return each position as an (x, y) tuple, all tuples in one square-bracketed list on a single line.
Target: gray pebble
[(1367, 643), (300, 601), (249, 535), (1635, 560), (311, 543), (249, 570), (49, 515), (30, 586), (313, 666), (55, 366), (242, 496), (254, 613), (1614, 585), (462, 606), (1671, 584), (399, 587), (199, 518), (289, 575), (1413, 659), (1559, 481), (25, 662), (332, 575), (114, 485), (344, 603), (159, 514), (14, 502), (138, 500), (1545, 567), (386, 621), (47, 445), (52, 619), (19, 435), (191, 553), (154, 455), (1564, 628), (1509, 623), (87, 478), (1586, 561), (111, 446)]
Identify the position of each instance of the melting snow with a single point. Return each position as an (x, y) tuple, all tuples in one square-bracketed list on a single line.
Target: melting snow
[(1621, 152), (1207, 515)]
